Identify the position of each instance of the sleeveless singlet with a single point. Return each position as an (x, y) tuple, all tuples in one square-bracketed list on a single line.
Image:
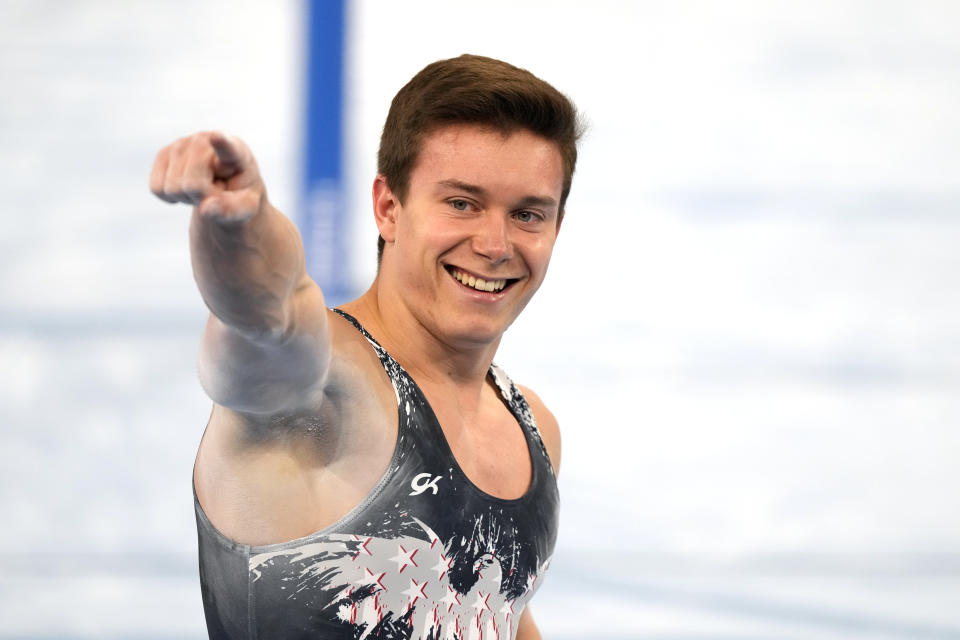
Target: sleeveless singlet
[(425, 556)]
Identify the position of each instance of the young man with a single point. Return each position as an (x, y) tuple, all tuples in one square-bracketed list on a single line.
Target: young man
[(368, 472)]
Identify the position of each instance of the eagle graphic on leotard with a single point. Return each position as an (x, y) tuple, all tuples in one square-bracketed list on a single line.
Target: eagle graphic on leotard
[(401, 587)]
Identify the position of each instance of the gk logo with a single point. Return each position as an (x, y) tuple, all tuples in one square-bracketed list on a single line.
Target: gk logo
[(421, 482)]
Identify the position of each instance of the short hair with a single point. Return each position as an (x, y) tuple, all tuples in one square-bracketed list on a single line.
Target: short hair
[(474, 89)]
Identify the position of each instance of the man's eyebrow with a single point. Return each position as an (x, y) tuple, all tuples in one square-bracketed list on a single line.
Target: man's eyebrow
[(528, 201), (537, 201), (463, 186)]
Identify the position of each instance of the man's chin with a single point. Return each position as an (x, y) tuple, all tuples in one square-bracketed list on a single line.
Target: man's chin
[(476, 334)]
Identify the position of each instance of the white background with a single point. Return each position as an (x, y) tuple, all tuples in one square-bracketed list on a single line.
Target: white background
[(749, 332)]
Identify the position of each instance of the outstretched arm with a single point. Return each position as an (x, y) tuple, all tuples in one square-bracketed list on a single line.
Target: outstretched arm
[(266, 347)]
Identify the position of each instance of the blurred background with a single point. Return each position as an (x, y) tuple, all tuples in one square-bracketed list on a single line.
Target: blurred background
[(750, 333)]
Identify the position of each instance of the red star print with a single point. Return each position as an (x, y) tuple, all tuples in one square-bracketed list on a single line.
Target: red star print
[(404, 558), (376, 577), (363, 547)]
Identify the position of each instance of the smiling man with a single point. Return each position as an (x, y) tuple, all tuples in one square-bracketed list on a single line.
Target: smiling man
[(367, 471)]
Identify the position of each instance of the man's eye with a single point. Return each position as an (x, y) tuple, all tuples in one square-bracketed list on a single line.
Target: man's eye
[(526, 216), (459, 205)]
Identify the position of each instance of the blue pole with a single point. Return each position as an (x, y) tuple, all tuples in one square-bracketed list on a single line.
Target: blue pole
[(323, 222)]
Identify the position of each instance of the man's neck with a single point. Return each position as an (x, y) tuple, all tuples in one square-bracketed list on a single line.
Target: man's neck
[(429, 358)]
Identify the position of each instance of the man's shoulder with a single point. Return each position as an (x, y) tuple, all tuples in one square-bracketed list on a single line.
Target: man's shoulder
[(546, 423)]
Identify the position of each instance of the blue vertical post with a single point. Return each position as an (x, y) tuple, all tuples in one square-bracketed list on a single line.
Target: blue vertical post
[(323, 223)]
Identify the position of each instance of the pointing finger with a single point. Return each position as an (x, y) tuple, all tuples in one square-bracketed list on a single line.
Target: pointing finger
[(229, 155)]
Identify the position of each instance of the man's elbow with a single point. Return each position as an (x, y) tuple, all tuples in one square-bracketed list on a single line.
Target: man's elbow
[(266, 380)]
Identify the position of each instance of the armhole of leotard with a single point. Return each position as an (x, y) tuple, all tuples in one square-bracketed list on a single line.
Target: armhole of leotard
[(252, 550)]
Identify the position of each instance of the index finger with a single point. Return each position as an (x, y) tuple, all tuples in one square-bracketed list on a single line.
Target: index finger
[(228, 150)]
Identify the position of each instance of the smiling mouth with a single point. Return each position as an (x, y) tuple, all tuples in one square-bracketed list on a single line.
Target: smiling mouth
[(480, 284)]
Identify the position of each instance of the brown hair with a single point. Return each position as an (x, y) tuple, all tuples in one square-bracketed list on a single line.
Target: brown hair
[(473, 90)]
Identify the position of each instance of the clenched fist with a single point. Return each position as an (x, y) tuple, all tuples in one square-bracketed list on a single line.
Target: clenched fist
[(214, 172)]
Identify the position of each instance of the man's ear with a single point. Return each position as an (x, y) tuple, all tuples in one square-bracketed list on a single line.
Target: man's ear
[(386, 206)]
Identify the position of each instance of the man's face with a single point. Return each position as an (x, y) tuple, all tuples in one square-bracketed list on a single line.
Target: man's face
[(474, 238)]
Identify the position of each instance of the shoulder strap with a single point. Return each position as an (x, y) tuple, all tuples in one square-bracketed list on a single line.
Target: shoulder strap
[(398, 377), (518, 406), (359, 327)]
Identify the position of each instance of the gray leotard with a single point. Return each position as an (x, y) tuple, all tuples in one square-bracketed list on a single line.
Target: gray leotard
[(426, 555)]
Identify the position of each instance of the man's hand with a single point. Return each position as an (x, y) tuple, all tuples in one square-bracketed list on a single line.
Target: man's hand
[(212, 171)]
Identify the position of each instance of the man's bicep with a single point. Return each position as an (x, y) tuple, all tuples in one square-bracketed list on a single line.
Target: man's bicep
[(267, 374)]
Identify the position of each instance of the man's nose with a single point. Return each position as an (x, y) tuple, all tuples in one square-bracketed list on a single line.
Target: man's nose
[(492, 237)]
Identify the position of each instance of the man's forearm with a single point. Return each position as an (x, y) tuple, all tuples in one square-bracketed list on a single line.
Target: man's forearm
[(248, 271)]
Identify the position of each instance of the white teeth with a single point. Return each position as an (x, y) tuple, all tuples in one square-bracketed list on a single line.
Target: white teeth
[(479, 283)]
